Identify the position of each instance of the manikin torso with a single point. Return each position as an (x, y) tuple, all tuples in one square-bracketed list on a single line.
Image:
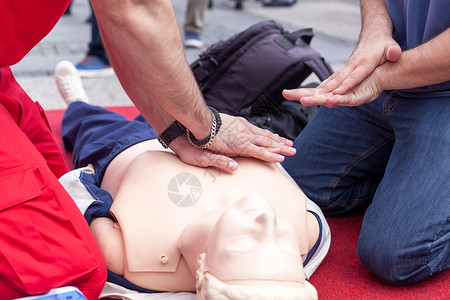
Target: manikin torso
[(156, 197)]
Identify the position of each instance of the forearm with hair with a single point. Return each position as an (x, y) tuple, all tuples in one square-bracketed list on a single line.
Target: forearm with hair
[(158, 118), (424, 65), (375, 19), (144, 45)]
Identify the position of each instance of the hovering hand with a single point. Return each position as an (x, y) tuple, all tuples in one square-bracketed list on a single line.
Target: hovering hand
[(346, 82)]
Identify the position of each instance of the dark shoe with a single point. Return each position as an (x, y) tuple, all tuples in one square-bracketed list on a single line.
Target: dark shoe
[(67, 11), (278, 2), (238, 5)]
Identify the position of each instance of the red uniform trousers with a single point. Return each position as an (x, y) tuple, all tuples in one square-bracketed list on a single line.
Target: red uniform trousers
[(45, 242)]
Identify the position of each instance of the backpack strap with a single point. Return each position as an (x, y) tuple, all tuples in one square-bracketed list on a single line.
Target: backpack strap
[(317, 64), (320, 67), (288, 39)]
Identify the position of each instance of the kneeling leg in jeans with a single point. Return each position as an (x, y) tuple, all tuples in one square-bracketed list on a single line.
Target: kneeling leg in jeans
[(390, 156)]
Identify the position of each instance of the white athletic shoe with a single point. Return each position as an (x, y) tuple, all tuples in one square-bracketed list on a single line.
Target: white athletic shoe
[(69, 83)]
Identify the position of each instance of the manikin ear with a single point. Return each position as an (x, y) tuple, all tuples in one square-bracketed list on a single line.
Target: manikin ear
[(200, 273)]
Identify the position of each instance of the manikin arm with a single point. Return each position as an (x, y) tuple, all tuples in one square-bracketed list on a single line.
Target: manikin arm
[(144, 45), (110, 242)]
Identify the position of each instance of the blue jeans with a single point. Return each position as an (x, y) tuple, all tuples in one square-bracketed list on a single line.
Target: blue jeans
[(95, 46), (391, 156)]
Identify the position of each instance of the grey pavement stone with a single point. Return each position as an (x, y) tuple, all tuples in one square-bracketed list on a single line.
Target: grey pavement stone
[(336, 24)]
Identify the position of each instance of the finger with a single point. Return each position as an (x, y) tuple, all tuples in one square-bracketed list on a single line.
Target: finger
[(272, 145), (233, 125), (265, 144), (330, 83), (209, 159), (296, 94), (336, 79), (223, 163), (356, 98), (274, 150), (262, 153), (274, 139), (202, 158), (324, 83), (334, 101), (320, 99), (355, 78), (341, 100)]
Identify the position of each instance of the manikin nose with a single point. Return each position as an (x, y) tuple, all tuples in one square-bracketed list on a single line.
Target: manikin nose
[(267, 220)]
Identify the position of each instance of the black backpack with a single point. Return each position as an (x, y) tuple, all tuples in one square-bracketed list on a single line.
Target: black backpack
[(245, 74)]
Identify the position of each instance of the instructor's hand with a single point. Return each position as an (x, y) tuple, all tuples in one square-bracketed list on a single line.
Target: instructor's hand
[(236, 137)]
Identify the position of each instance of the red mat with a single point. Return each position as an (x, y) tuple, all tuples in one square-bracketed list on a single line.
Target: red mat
[(341, 275)]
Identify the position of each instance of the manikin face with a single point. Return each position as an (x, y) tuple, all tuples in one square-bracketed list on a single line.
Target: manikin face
[(249, 244)]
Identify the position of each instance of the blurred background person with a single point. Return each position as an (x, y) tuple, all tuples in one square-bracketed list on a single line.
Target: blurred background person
[(96, 62), (193, 23)]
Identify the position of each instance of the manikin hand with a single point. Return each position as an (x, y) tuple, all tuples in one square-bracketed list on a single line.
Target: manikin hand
[(370, 53), (236, 137)]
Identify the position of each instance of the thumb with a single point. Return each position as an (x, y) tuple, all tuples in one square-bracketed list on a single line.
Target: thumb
[(393, 53)]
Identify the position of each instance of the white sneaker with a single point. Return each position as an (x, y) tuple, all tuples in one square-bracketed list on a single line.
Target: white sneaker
[(69, 83)]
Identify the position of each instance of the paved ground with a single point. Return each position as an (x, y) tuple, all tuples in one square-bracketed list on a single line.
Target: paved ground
[(336, 25)]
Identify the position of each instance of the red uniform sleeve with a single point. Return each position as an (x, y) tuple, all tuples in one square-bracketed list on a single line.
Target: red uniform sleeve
[(23, 24)]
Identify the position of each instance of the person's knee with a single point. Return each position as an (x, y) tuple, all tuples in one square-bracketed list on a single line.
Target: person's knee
[(381, 262), (396, 262)]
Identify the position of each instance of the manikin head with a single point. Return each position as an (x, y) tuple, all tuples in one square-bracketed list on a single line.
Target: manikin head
[(252, 255)]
